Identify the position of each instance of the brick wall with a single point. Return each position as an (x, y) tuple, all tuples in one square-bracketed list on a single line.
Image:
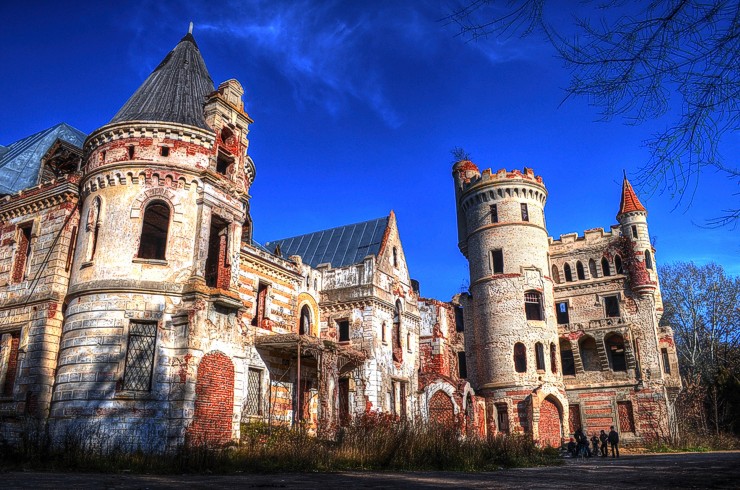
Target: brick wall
[(214, 401), (549, 424)]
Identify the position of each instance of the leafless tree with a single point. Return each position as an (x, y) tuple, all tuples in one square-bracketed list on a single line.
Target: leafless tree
[(642, 60)]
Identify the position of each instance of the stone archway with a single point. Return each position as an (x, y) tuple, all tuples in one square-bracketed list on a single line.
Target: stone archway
[(214, 401), (441, 409), (550, 423)]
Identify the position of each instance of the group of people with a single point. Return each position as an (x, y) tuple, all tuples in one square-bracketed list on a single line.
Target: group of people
[(599, 445)]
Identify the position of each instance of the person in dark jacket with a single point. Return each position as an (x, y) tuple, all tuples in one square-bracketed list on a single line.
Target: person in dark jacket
[(572, 447), (604, 444), (614, 441), (595, 445)]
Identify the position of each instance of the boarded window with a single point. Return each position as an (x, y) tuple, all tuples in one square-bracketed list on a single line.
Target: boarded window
[(502, 418), (494, 214), (497, 260), (626, 417), (592, 269), (553, 359), (218, 267), (9, 360), (260, 311), (343, 327), (22, 254), (153, 243), (666, 361), (562, 313), (566, 358), (140, 356), (462, 366), (533, 305), (589, 354), (615, 352), (520, 358), (618, 264), (579, 271), (611, 306), (525, 212), (539, 351), (568, 273), (648, 259), (605, 267), (253, 404)]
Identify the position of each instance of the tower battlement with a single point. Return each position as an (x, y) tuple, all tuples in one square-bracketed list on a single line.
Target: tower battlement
[(469, 175)]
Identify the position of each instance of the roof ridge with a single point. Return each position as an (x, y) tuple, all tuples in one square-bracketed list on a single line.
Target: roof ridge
[(327, 229)]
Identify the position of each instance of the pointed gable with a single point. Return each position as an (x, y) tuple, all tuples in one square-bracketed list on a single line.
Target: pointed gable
[(629, 202), (174, 92)]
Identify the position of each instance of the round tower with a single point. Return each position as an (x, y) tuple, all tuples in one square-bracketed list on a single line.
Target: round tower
[(632, 218), (165, 194), (514, 338)]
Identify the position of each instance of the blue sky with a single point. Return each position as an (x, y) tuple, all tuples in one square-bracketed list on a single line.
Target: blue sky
[(356, 107)]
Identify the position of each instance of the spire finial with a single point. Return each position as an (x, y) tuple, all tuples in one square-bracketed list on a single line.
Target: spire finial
[(190, 29)]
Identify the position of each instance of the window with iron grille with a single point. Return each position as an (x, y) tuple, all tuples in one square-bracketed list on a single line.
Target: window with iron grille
[(254, 392), (142, 338), (533, 305)]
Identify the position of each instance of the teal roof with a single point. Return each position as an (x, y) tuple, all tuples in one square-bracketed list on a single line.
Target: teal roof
[(340, 247), (20, 162)]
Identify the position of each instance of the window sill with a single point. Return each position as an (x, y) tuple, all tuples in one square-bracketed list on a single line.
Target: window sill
[(87, 264), (149, 261)]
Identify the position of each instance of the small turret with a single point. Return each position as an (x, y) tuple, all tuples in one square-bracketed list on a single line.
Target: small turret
[(632, 218)]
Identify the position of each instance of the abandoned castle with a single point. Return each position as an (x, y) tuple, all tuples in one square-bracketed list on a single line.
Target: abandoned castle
[(134, 298)]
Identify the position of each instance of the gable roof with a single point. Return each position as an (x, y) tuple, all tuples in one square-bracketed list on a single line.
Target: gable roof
[(20, 162), (174, 92), (341, 246), (629, 202)]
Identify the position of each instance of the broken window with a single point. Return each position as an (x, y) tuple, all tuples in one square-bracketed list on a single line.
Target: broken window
[(666, 361), (555, 274), (223, 162), (592, 269), (520, 358), (304, 327), (153, 243), (615, 352), (22, 253), (525, 212), (218, 267), (502, 418), (253, 403), (533, 305), (260, 311), (580, 273), (568, 273), (459, 319), (9, 343), (497, 261), (494, 213), (648, 260), (343, 327), (589, 353), (553, 358), (462, 366), (137, 375), (611, 306), (618, 264), (562, 313), (539, 351), (605, 267), (566, 358)]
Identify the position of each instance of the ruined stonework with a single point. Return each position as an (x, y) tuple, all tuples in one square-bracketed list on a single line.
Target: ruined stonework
[(561, 333)]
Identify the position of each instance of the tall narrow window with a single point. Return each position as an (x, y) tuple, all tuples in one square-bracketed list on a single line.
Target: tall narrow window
[(533, 305), (562, 313), (539, 351), (153, 243), (402, 399), (605, 267), (462, 366), (611, 306), (555, 274), (383, 327), (343, 327), (131, 152), (395, 257), (567, 360), (618, 264), (579, 271), (408, 341), (304, 327), (260, 310), (22, 253), (502, 418), (9, 367), (218, 267), (494, 213), (396, 334), (614, 344), (93, 227), (589, 353), (71, 249), (137, 375), (553, 358), (459, 319), (648, 259), (666, 361), (525, 212), (520, 358), (568, 273), (497, 260), (253, 403), (634, 231), (592, 269)]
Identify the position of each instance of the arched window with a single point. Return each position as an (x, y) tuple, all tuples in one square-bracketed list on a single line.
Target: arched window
[(539, 352), (579, 271), (555, 274), (533, 305), (566, 358), (568, 273), (153, 243), (520, 358), (589, 354), (648, 259), (605, 267), (592, 269), (553, 358), (304, 327), (618, 264), (614, 344)]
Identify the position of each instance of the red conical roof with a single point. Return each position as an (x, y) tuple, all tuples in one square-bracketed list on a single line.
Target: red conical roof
[(629, 202)]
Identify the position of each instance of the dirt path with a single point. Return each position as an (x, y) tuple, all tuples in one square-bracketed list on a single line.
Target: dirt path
[(707, 470)]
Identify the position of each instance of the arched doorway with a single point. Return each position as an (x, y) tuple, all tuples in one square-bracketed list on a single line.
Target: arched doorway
[(214, 401), (550, 425), (441, 410)]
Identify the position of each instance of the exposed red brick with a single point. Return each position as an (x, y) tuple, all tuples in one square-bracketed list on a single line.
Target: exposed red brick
[(214, 401)]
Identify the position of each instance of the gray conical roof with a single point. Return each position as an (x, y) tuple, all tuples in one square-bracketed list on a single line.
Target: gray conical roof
[(174, 92)]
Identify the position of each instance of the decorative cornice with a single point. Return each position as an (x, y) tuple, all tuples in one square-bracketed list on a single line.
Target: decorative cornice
[(43, 196)]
